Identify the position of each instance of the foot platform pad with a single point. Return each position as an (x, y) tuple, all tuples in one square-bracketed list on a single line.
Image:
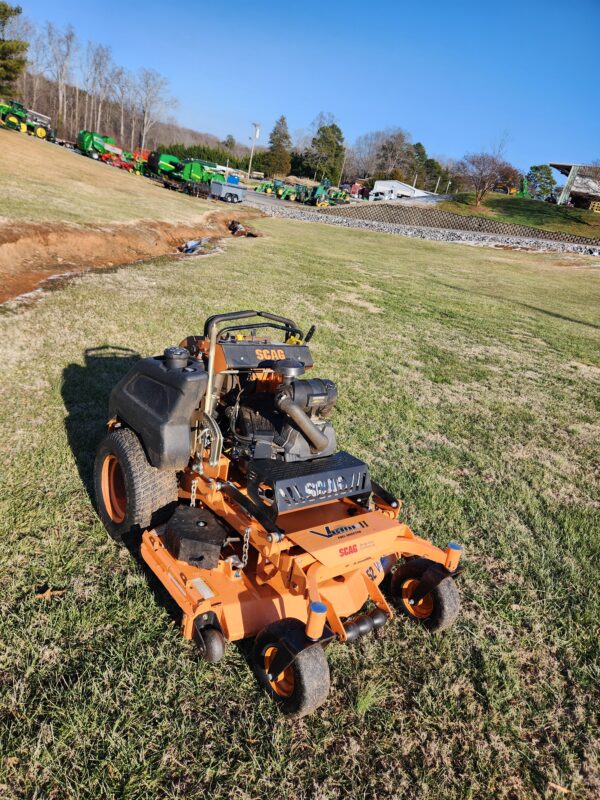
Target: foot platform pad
[(196, 536)]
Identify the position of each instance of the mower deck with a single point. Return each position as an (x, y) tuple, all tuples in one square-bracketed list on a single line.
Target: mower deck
[(329, 553)]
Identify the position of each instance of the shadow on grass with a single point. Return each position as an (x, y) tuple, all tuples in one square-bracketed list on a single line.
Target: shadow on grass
[(536, 212), (85, 391), (499, 298)]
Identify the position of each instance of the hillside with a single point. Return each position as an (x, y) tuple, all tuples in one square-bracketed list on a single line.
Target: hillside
[(63, 186), (72, 213), (521, 211)]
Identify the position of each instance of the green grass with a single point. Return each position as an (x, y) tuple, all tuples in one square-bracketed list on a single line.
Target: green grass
[(520, 211), (469, 379)]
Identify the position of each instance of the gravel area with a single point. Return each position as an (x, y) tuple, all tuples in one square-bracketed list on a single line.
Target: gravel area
[(433, 234)]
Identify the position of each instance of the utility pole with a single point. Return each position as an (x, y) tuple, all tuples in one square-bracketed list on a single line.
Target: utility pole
[(415, 180), (254, 138), (448, 186), (437, 184)]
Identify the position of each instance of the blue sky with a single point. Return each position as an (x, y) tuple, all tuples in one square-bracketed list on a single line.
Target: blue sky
[(459, 76)]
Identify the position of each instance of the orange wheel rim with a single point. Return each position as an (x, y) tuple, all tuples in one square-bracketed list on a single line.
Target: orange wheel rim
[(423, 608), (282, 684), (113, 489)]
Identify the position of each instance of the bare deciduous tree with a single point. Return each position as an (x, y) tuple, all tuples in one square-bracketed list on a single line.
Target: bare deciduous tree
[(153, 98), (122, 90), (364, 152), (101, 63), (61, 48), (393, 151), (37, 64), (481, 171)]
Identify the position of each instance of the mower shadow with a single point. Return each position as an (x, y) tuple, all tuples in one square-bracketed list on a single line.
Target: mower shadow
[(85, 390)]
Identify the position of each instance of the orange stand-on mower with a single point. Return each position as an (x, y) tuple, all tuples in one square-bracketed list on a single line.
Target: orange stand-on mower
[(224, 459)]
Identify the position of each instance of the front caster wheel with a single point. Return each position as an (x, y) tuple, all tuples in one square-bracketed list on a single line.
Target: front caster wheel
[(437, 610), (303, 686), (211, 644)]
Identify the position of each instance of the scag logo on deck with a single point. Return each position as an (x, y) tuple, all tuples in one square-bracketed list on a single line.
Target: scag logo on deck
[(269, 355), (349, 550)]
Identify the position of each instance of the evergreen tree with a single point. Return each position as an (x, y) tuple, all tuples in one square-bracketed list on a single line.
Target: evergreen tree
[(278, 159), (540, 181), (13, 52), (326, 155)]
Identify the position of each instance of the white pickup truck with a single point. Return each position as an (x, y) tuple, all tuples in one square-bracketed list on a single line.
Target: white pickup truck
[(379, 195)]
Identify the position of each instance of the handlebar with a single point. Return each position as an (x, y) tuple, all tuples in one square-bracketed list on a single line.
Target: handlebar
[(216, 319)]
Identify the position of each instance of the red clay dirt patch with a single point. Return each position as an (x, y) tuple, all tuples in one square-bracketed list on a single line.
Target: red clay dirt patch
[(32, 252)]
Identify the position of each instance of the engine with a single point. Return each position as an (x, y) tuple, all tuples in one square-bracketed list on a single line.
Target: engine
[(287, 422)]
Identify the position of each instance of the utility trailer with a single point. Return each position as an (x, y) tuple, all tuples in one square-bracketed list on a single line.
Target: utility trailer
[(229, 192), (218, 190)]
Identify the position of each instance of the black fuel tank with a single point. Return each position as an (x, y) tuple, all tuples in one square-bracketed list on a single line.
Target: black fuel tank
[(156, 399)]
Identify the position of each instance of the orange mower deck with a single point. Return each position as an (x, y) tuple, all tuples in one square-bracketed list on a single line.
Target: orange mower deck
[(328, 555)]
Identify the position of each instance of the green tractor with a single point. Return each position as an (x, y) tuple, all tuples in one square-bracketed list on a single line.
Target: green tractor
[(287, 193), (265, 186), (317, 196), (14, 115), (302, 192), (192, 177), (337, 196)]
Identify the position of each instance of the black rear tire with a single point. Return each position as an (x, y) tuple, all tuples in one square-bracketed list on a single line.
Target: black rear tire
[(304, 685), (131, 494), (438, 610)]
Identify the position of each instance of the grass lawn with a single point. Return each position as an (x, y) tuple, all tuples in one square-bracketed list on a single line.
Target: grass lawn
[(520, 211), (469, 379)]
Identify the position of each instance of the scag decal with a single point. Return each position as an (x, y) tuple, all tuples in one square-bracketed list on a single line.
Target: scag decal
[(326, 488), (269, 355), (349, 550)]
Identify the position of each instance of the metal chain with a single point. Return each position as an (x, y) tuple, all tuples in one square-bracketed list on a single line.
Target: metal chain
[(193, 493), (245, 547)]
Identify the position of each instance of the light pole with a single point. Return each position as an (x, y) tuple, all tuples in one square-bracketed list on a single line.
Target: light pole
[(254, 138)]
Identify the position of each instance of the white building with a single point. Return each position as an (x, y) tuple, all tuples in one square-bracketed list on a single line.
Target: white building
[(394, 190)]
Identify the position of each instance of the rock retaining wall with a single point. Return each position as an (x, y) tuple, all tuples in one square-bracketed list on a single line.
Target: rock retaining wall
[(398, 214)]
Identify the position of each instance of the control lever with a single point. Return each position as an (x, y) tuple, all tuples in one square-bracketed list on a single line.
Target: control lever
[(309, 334)]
